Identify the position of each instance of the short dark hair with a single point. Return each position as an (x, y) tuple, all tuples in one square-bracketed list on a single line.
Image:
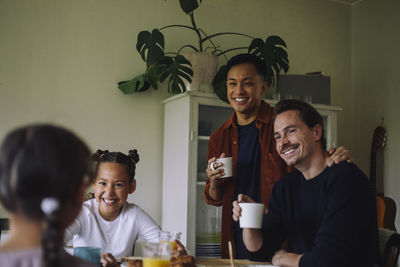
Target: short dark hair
[(307, 113), (258, 63)]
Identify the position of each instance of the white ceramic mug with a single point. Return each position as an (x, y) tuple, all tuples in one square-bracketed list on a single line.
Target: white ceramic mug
[(252, 215), (226, 165)]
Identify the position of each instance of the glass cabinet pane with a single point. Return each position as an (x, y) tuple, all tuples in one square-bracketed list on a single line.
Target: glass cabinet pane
[(208, 228), (211, 117)]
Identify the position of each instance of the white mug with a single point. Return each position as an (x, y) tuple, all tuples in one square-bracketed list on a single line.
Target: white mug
[(226, 165), (252, 215)]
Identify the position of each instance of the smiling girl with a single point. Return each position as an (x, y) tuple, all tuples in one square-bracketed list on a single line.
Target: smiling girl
[(108, 221)]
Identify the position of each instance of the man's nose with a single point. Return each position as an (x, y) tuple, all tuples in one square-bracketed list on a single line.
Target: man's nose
[(240, 88), (284, 140)]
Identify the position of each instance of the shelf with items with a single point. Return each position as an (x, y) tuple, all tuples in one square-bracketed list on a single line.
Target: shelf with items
[(208, 227)]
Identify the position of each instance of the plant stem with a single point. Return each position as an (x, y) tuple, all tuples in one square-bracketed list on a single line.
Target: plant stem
[(177, 25), (226, 33), (191, 14), (232, 49), (212, 43), (191, 46)]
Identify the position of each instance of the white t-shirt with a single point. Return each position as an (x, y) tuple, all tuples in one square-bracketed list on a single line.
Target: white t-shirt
[(33, 258), (117, 237)]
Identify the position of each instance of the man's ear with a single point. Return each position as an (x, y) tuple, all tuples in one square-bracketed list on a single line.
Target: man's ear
[(132, 187), (265, 87), (317, 131)]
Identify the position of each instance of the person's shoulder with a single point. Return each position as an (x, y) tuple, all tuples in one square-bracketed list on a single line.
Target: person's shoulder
[(345, 167), (131, 206), (348, 173), (266, 112), (89, 206), (24, 257), (130, 209)]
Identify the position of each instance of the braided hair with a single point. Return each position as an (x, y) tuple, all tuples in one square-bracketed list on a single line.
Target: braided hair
[(38, 164), (129, 161)]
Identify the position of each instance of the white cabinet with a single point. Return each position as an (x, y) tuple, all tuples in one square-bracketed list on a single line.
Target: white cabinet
[(189, 119)]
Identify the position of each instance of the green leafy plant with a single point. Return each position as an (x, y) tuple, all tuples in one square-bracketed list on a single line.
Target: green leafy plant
[(161, 65)]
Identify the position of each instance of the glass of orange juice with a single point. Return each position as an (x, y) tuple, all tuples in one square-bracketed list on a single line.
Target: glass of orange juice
[(156, 254), (170, 237)]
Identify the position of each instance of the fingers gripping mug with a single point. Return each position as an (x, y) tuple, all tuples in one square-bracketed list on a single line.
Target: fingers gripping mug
[(252, 215), (226, 165)]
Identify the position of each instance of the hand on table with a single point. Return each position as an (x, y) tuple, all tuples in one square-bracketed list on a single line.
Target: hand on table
[(108, 260), (286, 259)]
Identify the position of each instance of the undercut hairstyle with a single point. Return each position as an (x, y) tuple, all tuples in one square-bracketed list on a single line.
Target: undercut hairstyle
[(129, 161), (258, 63), (307, 113), (41, 162)]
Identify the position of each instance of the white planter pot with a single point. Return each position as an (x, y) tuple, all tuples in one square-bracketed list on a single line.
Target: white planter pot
[(204, 68)]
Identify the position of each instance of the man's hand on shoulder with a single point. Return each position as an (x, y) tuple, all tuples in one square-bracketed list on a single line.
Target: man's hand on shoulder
[(338, 155)]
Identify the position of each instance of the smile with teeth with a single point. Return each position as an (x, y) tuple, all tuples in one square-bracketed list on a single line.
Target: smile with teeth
[(240, 99), (109, 201), (288, 150)]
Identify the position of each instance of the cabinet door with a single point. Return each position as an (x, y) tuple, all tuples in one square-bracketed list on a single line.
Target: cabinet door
[(208, 218)]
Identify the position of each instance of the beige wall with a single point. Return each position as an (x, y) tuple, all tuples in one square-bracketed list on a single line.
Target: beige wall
[(376, 57), (60, 62)]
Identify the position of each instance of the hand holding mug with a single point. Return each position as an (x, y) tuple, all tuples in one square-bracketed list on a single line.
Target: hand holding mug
[(219, 167), (237, 210), (247, 212)]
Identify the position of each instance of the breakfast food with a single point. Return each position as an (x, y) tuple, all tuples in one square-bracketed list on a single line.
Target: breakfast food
[(132, 261), (183, 261), (176, 261)]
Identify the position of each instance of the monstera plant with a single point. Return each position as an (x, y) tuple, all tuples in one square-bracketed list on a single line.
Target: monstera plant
[(161, 64)]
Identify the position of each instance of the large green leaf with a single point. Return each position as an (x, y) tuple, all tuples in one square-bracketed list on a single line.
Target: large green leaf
[(189, 5), (219, 83), (156, 72), (150, 46), (137, 84), (273, 52), (180, 70)]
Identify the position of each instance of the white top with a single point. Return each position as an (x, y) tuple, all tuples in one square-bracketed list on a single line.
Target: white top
[(33, 258), (117, 237)]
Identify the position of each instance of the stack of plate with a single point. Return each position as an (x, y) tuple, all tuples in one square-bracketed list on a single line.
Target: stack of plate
[(207, 250), (208, 245)]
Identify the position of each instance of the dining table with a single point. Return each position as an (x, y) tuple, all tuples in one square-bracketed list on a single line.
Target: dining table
[(210, 262)]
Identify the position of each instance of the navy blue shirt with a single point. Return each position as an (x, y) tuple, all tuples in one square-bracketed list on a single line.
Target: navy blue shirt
[(330, 219), (248, 175)]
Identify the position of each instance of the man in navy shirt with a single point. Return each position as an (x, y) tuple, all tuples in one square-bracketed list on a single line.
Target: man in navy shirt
[(328, 214)]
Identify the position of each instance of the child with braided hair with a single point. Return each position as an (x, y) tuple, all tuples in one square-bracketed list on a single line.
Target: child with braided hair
[(44, 172), (108, 221)]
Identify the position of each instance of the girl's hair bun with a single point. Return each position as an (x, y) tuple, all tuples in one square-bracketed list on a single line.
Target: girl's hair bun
[(133, 154), (99, 154)]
